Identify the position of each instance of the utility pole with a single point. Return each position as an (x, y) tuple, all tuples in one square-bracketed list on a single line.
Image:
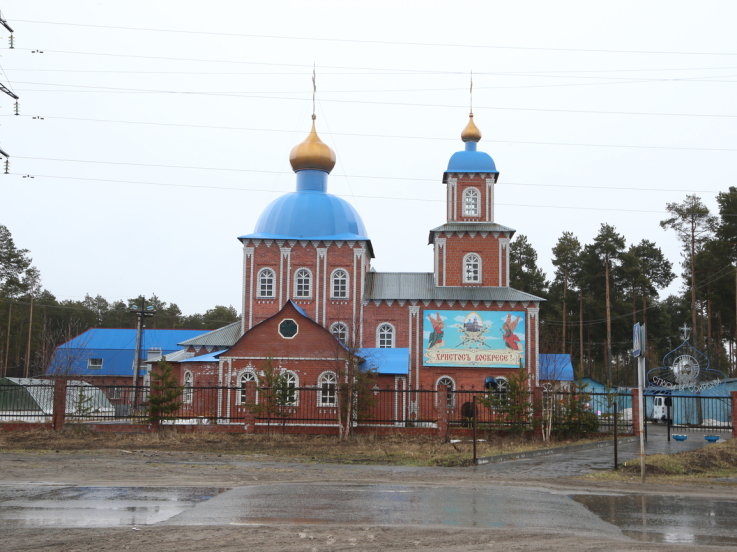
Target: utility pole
[(3, 88), (142, 313), (27, 369)]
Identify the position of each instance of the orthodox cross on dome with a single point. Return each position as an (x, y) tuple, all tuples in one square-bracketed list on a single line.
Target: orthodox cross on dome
[(685, 332), (314, 91), (471, 91)]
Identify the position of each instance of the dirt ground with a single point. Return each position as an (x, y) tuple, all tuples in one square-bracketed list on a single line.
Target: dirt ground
[(172, 468)]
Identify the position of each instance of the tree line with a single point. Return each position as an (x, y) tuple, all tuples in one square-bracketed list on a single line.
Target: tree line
[(600, 289), (33, 322)]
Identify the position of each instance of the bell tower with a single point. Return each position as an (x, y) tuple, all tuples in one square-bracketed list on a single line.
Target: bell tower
[(470, 248)]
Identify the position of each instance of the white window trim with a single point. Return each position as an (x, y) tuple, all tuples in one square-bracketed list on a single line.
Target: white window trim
[(91, 366), (504, 380), (347, 284), (295, 402), (347, 330), (188, 384), (311, 283), (452, 388), (327, 373), (239, 389), (465, 272), (278, 328), (467, 193), (378, 335), (259, 295)]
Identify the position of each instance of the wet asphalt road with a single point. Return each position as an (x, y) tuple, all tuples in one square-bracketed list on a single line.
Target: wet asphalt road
[(579, 463), (616, 515)]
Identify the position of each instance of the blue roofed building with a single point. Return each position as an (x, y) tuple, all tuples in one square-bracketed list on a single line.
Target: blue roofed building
[(104, 352)]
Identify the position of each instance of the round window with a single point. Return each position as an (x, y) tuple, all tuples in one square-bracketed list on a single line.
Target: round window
[(288, 328)]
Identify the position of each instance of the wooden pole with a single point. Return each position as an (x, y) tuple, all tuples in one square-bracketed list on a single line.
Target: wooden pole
[(7, 342), (27, 368)]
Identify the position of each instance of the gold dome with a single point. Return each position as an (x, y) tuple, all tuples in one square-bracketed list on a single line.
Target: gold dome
[(471, 133), (313, 153)]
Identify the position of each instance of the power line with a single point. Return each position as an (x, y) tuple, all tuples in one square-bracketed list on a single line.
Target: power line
[(402, 137), (365, 102), (358, 196), (563, 73), (586, 187), (387, 42)]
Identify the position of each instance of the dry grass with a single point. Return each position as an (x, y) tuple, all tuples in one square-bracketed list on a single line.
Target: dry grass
[(712, 461), (362, 449)]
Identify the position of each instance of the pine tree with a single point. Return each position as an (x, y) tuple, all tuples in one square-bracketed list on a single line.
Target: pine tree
[(164, 399)]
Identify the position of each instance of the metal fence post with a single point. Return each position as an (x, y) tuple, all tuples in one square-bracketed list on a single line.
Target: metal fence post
[(616, 462), (474, 429)]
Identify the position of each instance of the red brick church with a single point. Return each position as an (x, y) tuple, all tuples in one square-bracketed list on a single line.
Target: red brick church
[(308, 288)]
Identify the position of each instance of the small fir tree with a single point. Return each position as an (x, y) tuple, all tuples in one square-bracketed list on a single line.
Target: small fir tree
[(276, 394), (511, 409), (164, 400)]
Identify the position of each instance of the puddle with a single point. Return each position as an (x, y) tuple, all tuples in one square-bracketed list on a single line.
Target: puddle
[(54, 506), (667, 519), (391, 505)]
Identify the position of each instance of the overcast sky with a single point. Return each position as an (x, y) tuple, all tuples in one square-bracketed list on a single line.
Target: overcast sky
[(167, 125)]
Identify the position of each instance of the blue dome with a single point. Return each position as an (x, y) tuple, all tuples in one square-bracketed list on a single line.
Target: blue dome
[(310, 213), (471, 161)]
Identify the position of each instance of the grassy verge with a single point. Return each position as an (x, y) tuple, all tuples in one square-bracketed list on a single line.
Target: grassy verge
[(362, 449), (710, 462)]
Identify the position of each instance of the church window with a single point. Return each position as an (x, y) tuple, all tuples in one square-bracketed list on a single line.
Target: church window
[(243, 380), (187, 392), (288, 328), (340, 331), (450, 398), (471, 199), (472, 268), (292, 388), (327, 385), (265, 283), (303, 283), (340, 284), (501, 388), (385, 336)]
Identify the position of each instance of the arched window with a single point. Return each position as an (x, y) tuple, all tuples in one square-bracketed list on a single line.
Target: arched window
[(340, 284), (327, 385), (187, 392), (293, 388), (385, 336), (340, 331), (471, 202), (501, 386), (265, 283), (303, 283), (472, 268), (451, 396), (244, 379)]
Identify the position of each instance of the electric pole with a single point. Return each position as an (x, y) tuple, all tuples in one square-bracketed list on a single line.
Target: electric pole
[(141, 313), (4, 88)]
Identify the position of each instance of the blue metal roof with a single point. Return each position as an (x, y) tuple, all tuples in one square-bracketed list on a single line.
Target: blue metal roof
[(116, 338), (556, 367), (386, 361), (116, 349), (471, 161), (310, 213)]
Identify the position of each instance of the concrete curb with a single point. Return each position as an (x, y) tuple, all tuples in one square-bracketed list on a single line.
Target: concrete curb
[(550, 451)]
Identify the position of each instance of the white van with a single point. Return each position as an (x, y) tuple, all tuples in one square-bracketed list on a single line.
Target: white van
[(660, 410)]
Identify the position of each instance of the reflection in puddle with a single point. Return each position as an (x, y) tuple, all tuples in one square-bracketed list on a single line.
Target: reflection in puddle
[(46, 506), (667, 519)]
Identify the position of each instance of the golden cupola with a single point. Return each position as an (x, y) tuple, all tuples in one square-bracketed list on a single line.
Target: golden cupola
[(313, 154), (471, 133)]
